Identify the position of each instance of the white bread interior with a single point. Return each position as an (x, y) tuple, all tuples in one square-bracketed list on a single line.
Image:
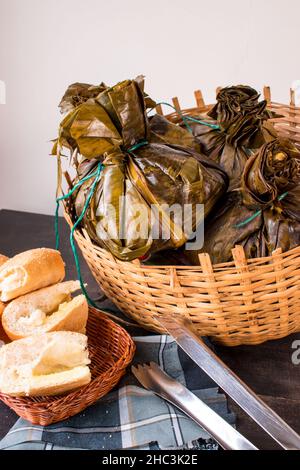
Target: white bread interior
[(29, 271), (44, 310), (45, 364)]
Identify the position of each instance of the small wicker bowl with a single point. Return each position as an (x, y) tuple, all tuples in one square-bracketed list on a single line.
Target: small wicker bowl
[(111, 351)]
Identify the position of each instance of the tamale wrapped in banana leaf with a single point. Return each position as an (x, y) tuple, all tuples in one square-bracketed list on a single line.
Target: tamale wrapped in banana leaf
[(265, 213), (129, 213), (243, 127)]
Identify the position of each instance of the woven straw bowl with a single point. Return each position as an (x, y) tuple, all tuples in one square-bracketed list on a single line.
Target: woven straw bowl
[(111, 350), (246, 301)]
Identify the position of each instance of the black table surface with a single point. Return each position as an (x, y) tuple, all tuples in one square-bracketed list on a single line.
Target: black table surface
[(267, 368)]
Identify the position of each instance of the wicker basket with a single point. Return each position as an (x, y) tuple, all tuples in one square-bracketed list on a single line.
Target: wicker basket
[(239, 302), (111, 351)]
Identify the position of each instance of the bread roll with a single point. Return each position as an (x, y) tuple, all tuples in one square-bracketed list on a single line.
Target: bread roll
[(30, 271), (45, 364), (2, 307), (3, 260), (47, 309)]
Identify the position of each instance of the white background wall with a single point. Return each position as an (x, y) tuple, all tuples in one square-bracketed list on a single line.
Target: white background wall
[(180, 45)]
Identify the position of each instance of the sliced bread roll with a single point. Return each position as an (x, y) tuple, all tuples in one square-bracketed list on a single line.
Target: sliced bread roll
[(29, 271), (3, 259), (48, 309), (45, 364), (2, 307)]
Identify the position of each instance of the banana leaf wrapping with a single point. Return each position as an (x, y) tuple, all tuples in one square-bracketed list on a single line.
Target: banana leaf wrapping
[(79, 93), (139, 175), (85, 120), (164, 131), (243, 128), (265, 213)]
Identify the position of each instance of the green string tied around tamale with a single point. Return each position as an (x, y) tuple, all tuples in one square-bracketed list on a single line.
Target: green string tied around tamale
[(140, 144), (185, 119), (95, 174), (257, 213)]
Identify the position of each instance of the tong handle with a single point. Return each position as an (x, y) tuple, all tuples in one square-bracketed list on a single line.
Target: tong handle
[(155, 379)]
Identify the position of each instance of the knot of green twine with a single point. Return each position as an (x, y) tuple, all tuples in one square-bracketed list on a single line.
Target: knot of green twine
[(205, 123), (185, 119), (257, 213), (95, 174), (140, 144)]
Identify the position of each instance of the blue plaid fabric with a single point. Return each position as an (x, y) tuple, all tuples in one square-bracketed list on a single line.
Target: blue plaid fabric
[(131, 417)]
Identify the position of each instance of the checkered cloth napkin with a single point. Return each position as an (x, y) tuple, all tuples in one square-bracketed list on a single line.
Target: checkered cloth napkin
[(130, 416)]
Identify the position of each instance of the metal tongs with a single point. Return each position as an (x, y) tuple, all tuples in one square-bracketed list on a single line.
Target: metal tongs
[(231, 384), (156, 380)]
